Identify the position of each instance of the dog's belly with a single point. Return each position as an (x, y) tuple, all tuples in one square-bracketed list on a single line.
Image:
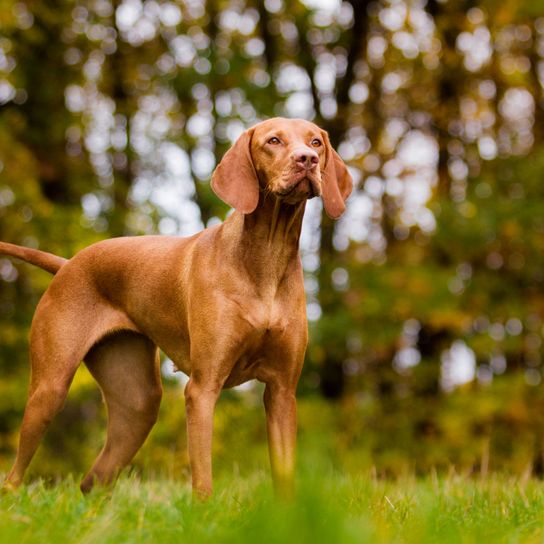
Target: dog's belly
[(174, 343)]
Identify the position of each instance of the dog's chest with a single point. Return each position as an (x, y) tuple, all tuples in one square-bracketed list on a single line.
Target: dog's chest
[(265, 328), (264, 316)]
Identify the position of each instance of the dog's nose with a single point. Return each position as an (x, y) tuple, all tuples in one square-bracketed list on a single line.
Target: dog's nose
[(306, 158)]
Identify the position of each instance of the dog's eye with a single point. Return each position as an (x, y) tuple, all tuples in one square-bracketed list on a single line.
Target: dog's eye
[(316, 142), (274, 141)]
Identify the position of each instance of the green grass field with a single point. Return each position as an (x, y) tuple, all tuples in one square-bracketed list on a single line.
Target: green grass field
[(329, 507), (340, 497)]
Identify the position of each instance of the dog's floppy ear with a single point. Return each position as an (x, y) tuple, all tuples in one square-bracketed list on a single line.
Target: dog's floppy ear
[(235, 180), (336, 182)]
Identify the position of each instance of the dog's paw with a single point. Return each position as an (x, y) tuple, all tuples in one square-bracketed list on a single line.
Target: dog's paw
[(8, 487)]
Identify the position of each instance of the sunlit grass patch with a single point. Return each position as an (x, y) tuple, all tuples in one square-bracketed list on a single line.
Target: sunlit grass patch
[(329, 507)]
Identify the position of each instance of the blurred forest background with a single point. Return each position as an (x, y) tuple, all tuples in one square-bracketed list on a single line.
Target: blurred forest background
[(426, 300)]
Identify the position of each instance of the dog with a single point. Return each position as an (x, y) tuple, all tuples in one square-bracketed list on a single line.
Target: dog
[(226, 305)]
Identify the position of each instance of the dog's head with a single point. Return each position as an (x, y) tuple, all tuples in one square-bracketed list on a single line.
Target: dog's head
[(290, 158)]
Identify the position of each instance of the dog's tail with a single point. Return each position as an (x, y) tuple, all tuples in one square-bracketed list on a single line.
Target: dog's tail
[(47, 261)]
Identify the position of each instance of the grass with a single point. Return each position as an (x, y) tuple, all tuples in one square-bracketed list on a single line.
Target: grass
[(329, 508)]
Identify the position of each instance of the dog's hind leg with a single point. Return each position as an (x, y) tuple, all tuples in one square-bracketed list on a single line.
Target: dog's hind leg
[(53, 367), (64, 329), (126, 366)]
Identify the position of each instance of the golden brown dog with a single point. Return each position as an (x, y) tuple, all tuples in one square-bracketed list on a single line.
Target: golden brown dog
[(226, 305)]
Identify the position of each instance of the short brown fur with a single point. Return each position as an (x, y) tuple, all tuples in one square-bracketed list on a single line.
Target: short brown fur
[(226, 305)]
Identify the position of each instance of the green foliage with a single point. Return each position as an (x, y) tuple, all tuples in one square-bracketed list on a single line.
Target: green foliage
[(471, 431)]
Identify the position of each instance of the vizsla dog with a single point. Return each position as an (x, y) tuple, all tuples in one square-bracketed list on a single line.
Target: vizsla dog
[(226, 305)]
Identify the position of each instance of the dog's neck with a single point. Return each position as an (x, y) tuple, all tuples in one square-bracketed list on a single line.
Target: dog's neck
[(266, 241)]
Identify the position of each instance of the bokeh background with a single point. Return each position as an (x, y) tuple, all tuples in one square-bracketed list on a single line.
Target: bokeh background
[(425, 301)]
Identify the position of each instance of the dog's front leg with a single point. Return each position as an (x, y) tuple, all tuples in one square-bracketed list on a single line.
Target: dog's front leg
[(281, 422), (200, 400)]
